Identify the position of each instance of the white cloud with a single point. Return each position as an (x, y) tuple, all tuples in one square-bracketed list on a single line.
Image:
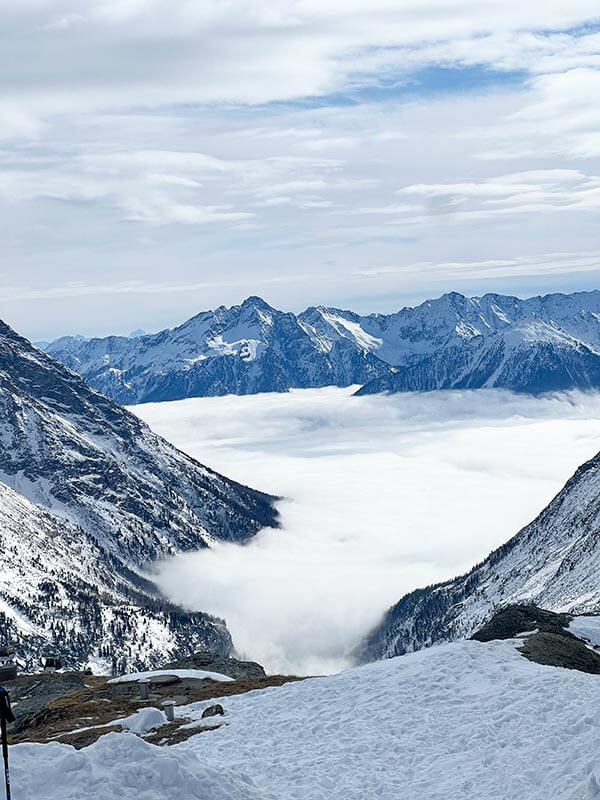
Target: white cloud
[(242, 51), (543, 264), (534, 191), (383, 494)]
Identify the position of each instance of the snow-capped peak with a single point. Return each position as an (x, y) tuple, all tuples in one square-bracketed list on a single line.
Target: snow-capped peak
[(538, 344)]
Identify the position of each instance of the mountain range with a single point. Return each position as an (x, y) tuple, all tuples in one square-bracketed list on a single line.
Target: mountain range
[(553, 562), (453, 342), (89, 498)]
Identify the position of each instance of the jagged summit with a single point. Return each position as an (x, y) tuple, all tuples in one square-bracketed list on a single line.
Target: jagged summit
[(257, 302), (535, 345)]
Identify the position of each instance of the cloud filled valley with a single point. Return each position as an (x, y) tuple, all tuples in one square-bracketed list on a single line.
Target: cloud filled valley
[(381, 495)]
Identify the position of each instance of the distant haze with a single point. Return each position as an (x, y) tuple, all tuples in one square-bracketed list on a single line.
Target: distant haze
[(382, 494)]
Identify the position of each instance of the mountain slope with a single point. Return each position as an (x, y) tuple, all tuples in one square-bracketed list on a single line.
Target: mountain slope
[(68, 448), (110, 496), (60, 591), (533, 357), (553, 562), (535, 345)]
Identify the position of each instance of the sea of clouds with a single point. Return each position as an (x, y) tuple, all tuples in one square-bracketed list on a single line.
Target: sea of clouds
[(381, 495)]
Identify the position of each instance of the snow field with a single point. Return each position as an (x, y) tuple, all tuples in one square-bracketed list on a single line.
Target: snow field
[(461, 721), (464, 721), (587, 628), (122, 766)]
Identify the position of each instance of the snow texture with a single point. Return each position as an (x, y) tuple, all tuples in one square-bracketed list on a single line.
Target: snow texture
[(143, 721), (122, 766), (462, 721), (587, 628)]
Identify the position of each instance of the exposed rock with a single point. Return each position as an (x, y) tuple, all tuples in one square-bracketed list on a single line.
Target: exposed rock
[(165, 680), (57, 707), (509, 622), (213, 662), (548, 641), (213, 711), (560, 650)]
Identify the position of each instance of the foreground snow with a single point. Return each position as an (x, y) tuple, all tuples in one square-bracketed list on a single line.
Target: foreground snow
[(465, 720), (197, 674), (122, 766)]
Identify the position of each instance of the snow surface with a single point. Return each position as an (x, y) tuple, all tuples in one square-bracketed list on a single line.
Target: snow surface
[(122, 766), (457, 722), (198, 674), (143, 720), (587, 628)]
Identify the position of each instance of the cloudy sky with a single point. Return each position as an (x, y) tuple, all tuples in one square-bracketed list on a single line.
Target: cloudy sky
[(160, 157)]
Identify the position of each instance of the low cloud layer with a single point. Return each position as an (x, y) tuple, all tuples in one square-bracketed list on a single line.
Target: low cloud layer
[(383, 494)]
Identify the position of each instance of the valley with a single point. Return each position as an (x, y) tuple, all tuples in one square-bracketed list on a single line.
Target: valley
[(381, 495), (299, 400)]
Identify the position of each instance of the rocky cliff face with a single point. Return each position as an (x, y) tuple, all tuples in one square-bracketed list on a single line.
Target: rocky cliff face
[(60, 591)]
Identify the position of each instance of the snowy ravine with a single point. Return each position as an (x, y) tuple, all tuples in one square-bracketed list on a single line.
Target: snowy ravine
[(88, 496), (462, 721), (535, 345), (553, 562)]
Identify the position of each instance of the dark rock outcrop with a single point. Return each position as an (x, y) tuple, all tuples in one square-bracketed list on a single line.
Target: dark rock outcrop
[(548, 640), (516, 619), (214, 662)]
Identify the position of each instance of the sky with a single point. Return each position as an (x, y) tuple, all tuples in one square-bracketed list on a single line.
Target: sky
[(382, 494), (162, 157)]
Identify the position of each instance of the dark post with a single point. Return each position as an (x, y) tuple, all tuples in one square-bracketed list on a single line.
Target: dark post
[(6, 716)]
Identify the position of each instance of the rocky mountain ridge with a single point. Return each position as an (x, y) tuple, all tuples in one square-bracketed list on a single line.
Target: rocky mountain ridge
[(535, 345)]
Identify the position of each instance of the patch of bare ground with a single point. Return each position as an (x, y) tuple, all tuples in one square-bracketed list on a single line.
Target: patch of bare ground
[(80, 716)]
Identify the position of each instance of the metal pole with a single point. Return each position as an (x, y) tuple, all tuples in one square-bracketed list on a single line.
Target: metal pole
[(6, 715)]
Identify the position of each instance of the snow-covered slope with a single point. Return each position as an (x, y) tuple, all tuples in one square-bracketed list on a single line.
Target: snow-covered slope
[(95, 495), (464, 721), (533, 345), (68, 448), (553, 562)]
